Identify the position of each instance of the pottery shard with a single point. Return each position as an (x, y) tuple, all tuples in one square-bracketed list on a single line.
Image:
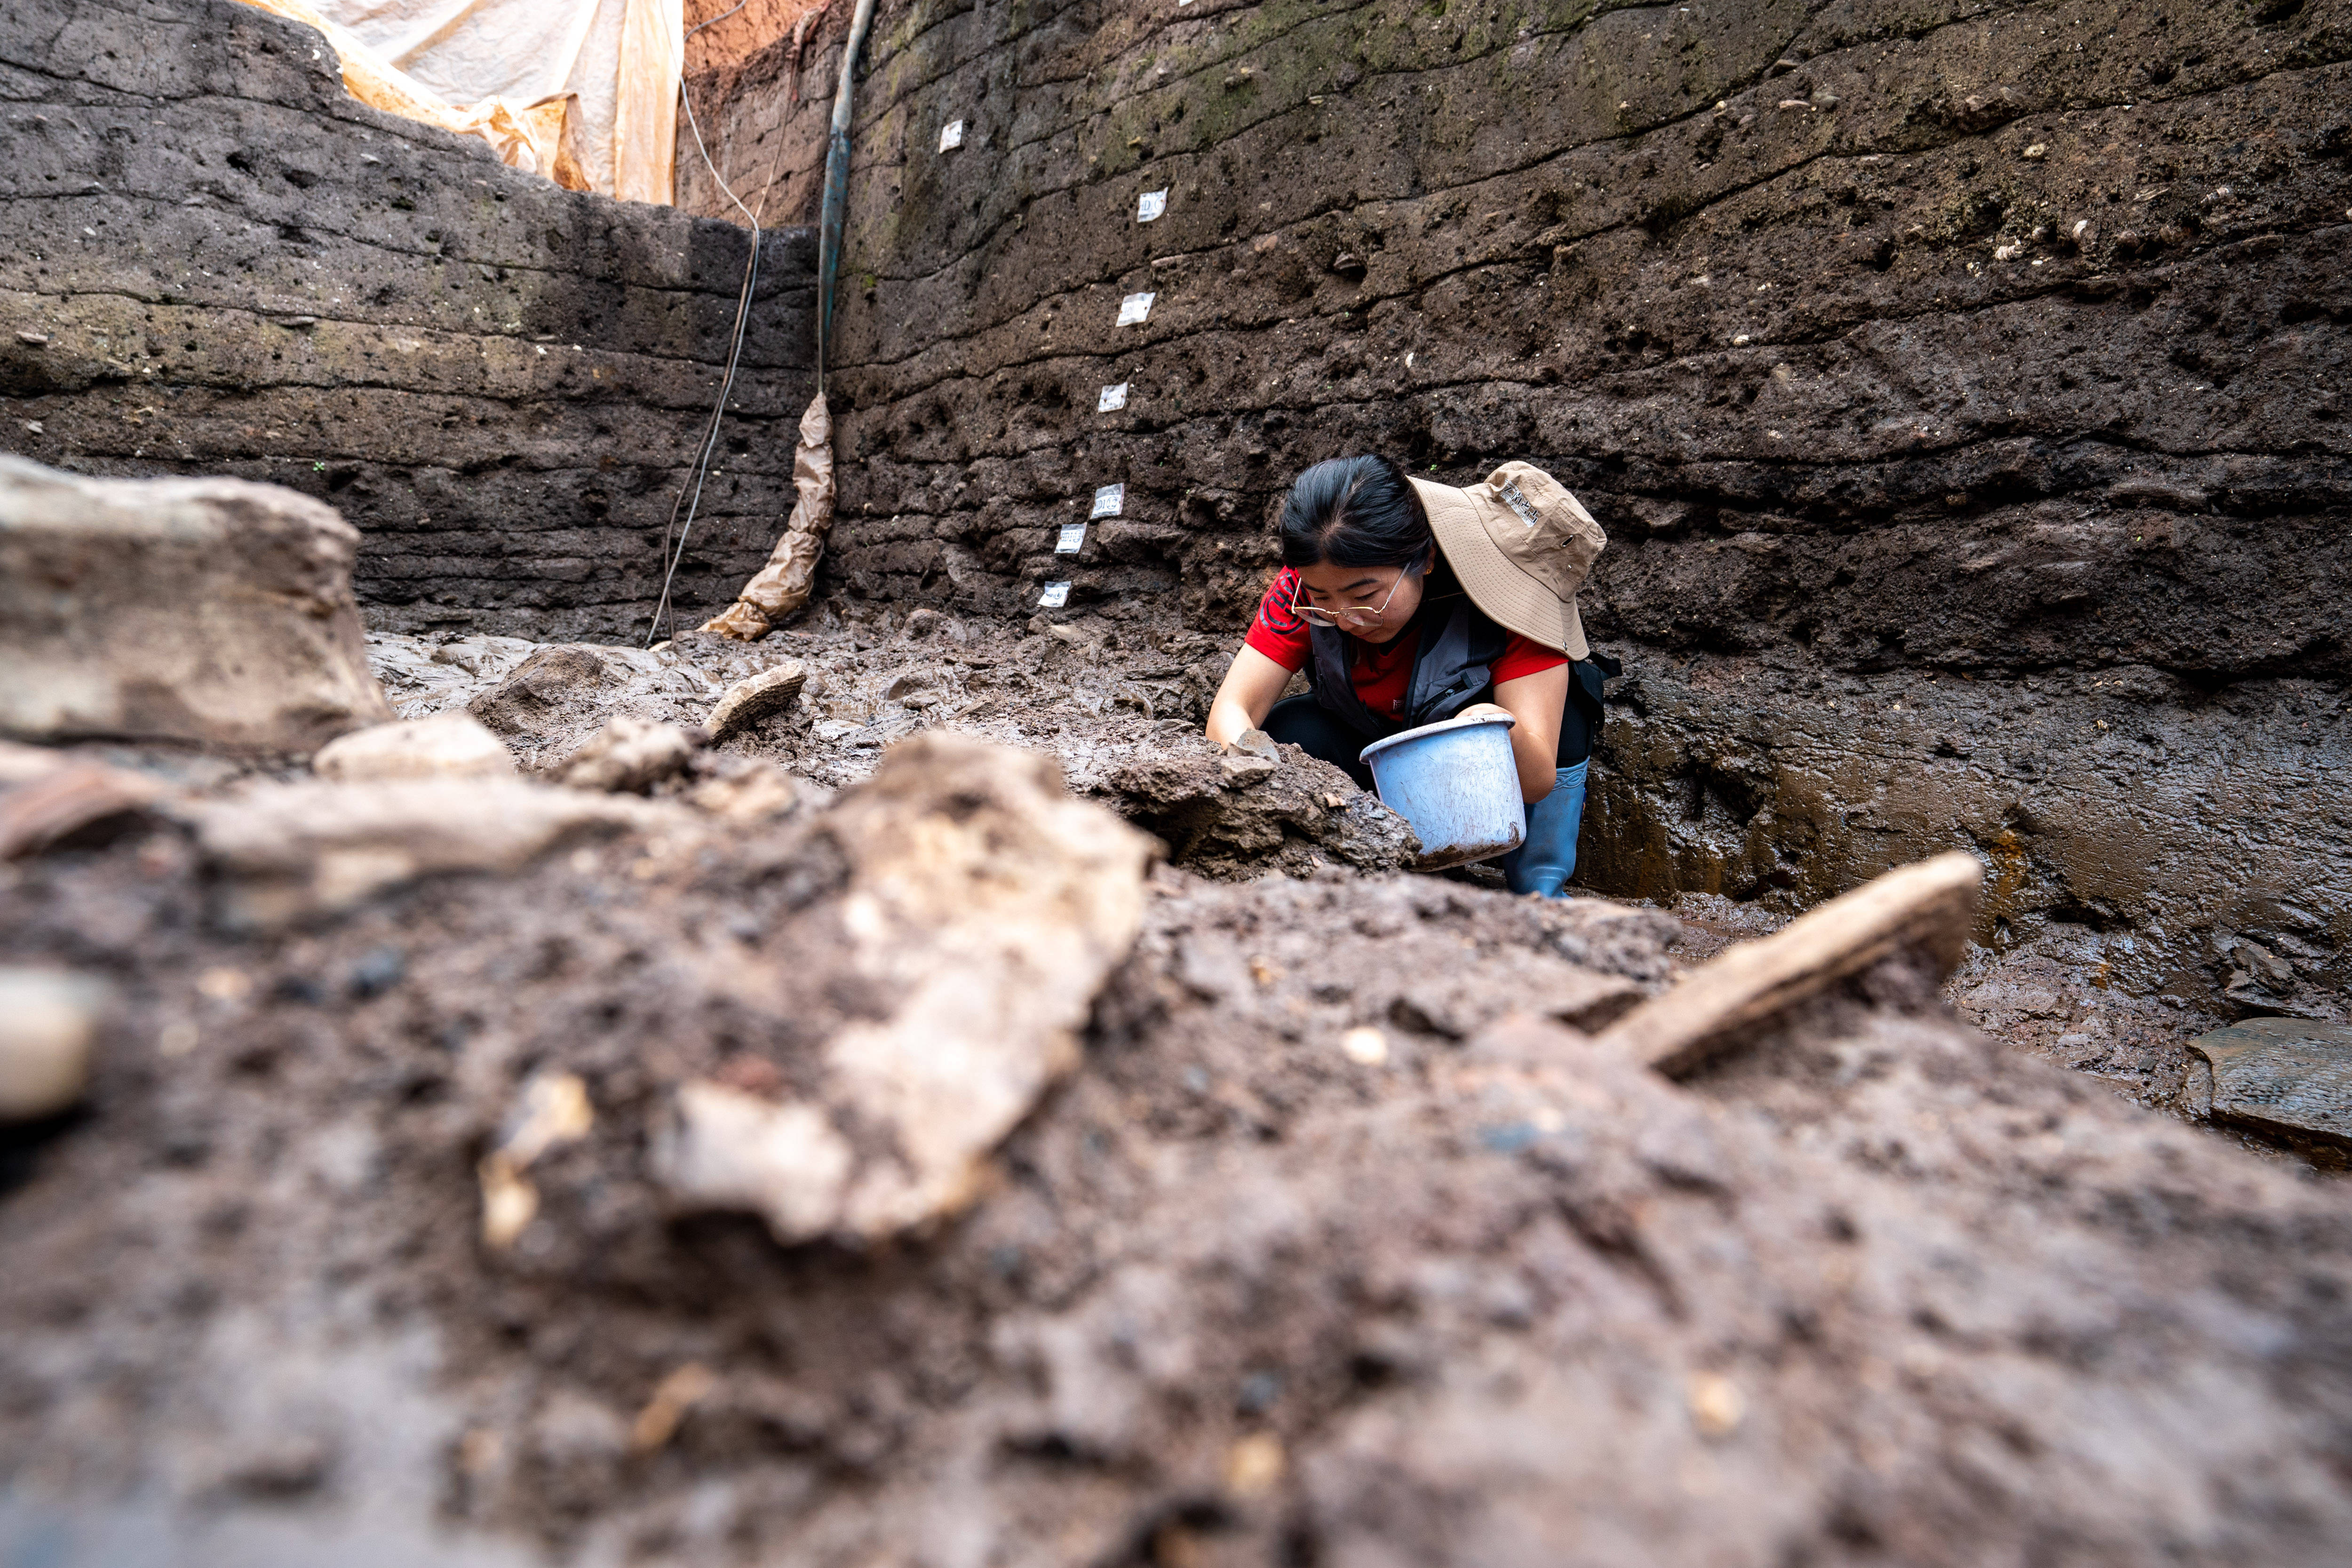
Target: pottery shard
[(446, 745), (750, 702), (1241, 771), (210, 611), (990, 906)]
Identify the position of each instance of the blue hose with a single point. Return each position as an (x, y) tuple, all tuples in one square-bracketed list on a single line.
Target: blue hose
[(836, 187)]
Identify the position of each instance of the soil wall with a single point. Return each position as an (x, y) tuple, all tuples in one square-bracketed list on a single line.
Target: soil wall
[(759, 84), (218, 262), (1961, 384)]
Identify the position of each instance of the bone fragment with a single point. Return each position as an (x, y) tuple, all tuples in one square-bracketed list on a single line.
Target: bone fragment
[(748, 702)]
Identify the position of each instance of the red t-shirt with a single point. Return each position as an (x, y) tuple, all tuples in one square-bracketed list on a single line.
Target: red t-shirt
[(1380, 673)]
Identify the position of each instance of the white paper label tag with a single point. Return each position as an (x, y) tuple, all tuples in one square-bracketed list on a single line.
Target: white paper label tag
[(952, 136), (1151, 204), (1112, 400), (1135, 308), (1073, 536), (1056, 595), (1108, 501)]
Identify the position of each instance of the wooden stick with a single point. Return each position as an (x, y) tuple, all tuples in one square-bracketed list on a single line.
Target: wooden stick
[(1928, 908)]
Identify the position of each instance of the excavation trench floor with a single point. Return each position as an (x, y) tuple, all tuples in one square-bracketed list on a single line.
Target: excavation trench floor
[(1109, 699), (1321, 1255)]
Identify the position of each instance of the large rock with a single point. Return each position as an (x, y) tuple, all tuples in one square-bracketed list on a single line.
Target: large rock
[(2290, 1077), (281, 853), (1241, 815), (442, 745), (983, 909), (211, 611), (556, 701)]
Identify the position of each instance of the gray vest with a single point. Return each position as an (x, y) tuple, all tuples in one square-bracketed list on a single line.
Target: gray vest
[(1449, 670)]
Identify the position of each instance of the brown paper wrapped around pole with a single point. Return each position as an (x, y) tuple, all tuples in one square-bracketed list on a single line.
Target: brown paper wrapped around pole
[(783, 585)]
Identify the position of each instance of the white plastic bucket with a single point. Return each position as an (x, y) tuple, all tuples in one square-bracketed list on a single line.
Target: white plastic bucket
[(1455, 781)]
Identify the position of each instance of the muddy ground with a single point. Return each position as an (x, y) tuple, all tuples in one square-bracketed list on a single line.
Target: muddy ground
[(1121, 706), (1899, 345), (1318, 1257), (1959, 384)]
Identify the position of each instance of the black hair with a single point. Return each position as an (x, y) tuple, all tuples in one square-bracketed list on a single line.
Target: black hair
[(1355, 511)]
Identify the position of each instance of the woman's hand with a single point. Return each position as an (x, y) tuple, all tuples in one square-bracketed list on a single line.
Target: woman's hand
[(1248, 691), (1486, 711)]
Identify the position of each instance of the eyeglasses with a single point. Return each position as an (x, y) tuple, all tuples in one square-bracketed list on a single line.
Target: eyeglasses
[(1347, 615)]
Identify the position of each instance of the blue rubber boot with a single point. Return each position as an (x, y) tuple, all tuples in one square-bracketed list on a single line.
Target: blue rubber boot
[(1545, 861)]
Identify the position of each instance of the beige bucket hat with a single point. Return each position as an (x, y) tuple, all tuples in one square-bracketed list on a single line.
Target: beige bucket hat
[(1522, 546)]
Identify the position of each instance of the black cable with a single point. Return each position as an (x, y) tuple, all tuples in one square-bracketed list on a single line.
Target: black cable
[(690, 495)]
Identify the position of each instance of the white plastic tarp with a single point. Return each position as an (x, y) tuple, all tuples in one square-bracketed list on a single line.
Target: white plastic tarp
[(527, 76)]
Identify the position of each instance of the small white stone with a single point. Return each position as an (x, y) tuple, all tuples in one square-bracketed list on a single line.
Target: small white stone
[(446, 745), (1717, 1407), (1366, 1046), (49, 1021), (952, 136)]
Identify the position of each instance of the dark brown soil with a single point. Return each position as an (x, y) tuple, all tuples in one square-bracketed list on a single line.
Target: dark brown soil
[(1121, 709), (1245, 1290), (1960, 385)]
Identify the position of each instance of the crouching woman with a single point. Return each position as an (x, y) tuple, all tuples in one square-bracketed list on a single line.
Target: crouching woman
[(1408, 602)]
